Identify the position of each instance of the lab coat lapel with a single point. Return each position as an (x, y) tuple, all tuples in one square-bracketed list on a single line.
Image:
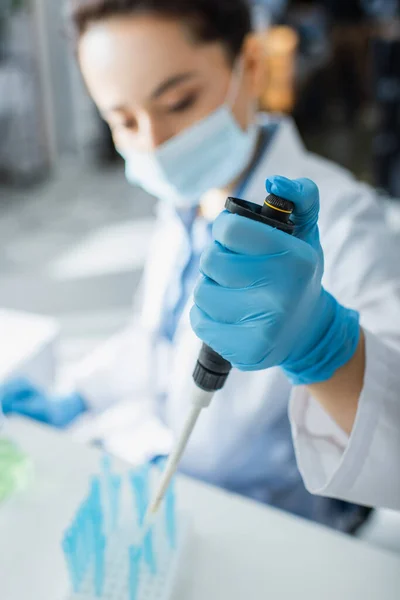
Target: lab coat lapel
[(168, 248)]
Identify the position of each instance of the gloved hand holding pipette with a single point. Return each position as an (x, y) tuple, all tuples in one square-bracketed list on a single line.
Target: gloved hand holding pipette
[(21, 396), (260, 302)]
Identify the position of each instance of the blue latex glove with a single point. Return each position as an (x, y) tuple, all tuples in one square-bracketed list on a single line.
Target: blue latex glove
[(19, 396), (260, 302)]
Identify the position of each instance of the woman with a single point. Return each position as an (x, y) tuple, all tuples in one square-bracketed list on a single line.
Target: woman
[(178, 83)]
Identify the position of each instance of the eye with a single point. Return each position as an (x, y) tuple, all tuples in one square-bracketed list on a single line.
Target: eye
[(128, 123), (184, 104)]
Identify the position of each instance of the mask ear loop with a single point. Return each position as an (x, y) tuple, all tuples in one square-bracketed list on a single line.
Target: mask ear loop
[(233, 91), (236, 80)]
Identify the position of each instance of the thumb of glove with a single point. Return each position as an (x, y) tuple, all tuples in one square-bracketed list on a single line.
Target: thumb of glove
[(305, 195)]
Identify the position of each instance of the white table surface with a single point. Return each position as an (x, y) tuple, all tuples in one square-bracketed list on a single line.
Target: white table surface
[(238, 549)]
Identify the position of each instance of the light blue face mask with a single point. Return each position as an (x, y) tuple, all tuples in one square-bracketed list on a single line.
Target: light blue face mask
[(210, 154)]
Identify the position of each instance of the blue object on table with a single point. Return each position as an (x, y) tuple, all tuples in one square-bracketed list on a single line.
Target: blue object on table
[(76, 551), (140, 486), (81, 543), (99, 540), (99, 565), (69, 552), (21, 397), (80, 563), (96, 505), (170, 516), (85, 542), (85, 524), (95, 490), (149, 552), (107, 474), (115, 494), (135, 558), (90, 527), (113, 485), (106, 464)]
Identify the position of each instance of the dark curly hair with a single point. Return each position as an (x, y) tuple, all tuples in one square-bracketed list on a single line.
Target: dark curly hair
[(225, 21)]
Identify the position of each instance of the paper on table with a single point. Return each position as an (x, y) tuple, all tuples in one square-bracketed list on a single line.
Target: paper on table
[(128, 430)]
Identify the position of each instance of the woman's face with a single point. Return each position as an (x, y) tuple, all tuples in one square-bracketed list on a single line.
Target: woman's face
[(151, 80)]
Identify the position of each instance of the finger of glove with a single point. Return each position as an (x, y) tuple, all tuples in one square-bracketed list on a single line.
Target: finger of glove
[(304, 194), (245, 236), (235, 271), (63, 410), (16, 388), (227, 305), (13, 394), (225, 338), (35, 409)]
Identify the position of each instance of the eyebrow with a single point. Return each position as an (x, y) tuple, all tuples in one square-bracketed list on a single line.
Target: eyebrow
[(171, 82)]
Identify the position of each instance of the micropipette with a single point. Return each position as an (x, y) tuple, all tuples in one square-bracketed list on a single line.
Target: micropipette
[(212, 370)]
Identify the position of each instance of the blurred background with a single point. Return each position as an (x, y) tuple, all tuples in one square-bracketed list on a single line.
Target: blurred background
[(74, 234)]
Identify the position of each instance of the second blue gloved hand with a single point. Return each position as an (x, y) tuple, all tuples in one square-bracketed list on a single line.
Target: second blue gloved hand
[(260, 302), (19, 396)]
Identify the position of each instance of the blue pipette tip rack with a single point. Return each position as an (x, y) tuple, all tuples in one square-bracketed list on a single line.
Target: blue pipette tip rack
[(105, 552)]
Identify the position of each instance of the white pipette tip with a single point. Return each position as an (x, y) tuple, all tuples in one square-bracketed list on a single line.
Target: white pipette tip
[(200, 400)]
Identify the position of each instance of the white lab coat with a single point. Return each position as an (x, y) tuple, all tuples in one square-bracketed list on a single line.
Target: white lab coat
[(362, 271)]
